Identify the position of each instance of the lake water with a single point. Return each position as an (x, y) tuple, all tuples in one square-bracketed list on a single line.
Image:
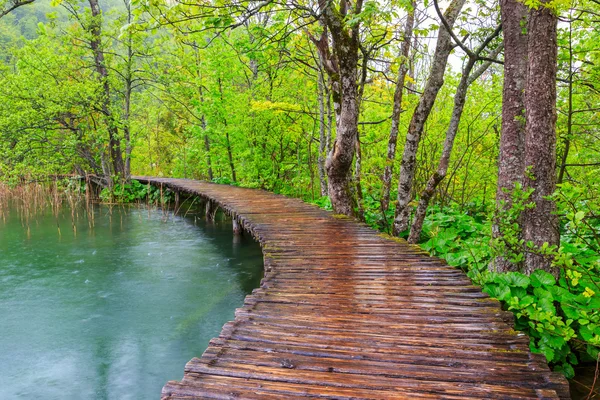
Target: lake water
[(114, 311)]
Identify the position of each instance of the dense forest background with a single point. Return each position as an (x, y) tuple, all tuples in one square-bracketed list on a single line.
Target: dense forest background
[(256, 94)]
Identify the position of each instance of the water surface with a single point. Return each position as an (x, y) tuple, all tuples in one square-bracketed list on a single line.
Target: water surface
[(114, 311)]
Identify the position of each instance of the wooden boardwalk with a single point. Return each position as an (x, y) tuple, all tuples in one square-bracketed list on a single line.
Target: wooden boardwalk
[(345, 313)]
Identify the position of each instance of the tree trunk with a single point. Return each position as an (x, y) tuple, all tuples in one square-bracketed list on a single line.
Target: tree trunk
[(116, 155), (459, 104), (339, 161), (357, 178), (396, 110), (417, 123), (127, 132), (540, 225), (127, 100), (341, 62), (207, 150), (322, 136), (230, 156), (512, 138), (329, 120), (227, 140)]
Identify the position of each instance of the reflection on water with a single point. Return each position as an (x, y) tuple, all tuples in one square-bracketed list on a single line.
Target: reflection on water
[(115, 311)]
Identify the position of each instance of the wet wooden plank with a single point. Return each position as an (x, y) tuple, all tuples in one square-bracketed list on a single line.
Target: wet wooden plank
[(344, 312)]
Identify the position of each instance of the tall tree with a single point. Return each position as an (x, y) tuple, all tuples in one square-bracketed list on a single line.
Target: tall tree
[(128, 80), (322, 130), (434, 82), (114, 142), (397, 109), (342, 68), (514, 16), (540, 225)]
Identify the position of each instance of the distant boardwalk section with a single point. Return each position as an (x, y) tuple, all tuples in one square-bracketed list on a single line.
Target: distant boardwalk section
[(345, 313)]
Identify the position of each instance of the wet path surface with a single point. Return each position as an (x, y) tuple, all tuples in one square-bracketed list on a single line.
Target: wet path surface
[(344, 313)]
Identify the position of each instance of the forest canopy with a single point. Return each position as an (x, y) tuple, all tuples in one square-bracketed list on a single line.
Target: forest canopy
[(469, 127)]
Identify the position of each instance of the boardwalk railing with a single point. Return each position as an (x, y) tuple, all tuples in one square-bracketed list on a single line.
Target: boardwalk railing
[(345, 313)]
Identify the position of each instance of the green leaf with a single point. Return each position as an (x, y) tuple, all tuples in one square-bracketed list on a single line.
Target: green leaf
[(500, 292), (513, 279), (568, 370), (547, 351), (518, 292), (586, 333), (553, 341), (540, 277)]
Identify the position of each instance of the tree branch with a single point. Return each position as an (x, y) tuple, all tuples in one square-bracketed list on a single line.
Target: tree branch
[(16, 4)]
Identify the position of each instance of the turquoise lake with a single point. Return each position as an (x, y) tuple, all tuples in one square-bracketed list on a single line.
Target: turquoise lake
[(115, 310)]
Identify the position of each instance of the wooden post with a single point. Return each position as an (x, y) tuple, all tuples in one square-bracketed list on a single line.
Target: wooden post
[(237, 227), (208, 210), (211, 210)]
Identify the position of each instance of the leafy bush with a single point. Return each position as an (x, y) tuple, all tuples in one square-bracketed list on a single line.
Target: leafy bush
[(562, 318), (223, 180), (460, 238), (323, 202), (135, 191)]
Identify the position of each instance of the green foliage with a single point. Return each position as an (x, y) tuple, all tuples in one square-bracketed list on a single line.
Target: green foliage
[(458, 236), (223, 180), (242, 105), (561, 317), (323, 202), (509, 243), (136, 191)]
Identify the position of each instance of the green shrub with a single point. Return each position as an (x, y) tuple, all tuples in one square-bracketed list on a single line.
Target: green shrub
[(562, 318), (135, 191)]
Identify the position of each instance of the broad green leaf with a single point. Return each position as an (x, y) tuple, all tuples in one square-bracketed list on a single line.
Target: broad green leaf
[(540, 277)]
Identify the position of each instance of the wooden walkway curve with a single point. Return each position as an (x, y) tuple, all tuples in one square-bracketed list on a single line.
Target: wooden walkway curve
[(345, 313)]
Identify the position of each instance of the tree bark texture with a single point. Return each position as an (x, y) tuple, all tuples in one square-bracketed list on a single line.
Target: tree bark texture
[(339, 160), (345, 45), (540, 225), (396, 110), (207, 150), (512, 138), (322, 134), (420, 115), (203, 117)]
